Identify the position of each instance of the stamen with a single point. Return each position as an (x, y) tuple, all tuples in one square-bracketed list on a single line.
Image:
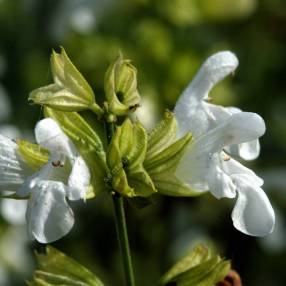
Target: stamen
[(226, 157)]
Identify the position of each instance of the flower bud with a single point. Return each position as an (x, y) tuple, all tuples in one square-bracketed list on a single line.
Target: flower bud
[(121, 87)]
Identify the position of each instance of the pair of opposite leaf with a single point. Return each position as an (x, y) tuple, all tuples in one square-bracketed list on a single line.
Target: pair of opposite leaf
[(200, 267)]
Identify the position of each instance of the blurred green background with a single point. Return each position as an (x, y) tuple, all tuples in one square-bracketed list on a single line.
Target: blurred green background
[(167, 40)]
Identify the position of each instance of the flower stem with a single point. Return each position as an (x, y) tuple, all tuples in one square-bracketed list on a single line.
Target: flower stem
[(122, 234), (121, 227)]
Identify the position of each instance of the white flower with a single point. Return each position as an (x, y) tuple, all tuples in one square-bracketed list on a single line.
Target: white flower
[(195, 114), (66, 175), (206, 165)]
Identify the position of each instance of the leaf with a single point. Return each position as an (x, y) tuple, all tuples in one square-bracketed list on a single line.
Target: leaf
[(87, 142), (206, 274), (55, 268), (200, 267), (197, 255), (33, 154)]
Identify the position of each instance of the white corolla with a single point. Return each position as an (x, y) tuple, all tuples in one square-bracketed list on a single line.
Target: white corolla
[(207, 166), (65, 176), (193, 106)]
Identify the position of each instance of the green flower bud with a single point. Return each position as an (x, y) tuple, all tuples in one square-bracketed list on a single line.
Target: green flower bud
[(125, 157), (69, 92), (120, 87)]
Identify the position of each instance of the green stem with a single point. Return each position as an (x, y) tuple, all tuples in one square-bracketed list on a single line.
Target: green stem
[(121, 227), (122, 234)]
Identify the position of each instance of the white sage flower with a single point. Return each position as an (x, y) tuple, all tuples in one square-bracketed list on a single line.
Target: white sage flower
[(65, 176), (218, 131), (193, 111), (206, 166)]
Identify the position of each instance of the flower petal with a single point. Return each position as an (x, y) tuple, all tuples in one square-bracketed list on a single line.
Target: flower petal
[(79, 180), (48, 216), (240, 127), (49, 135), (252, 213), (233, 167), (248, 150), (220, 183), (13, 170), (189, 106)]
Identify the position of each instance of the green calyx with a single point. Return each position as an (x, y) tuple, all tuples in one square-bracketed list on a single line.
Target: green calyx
[(200, 267), (140, 165), (120, 87), (69, 92), (125, 157), (88, 143), (163, 156)]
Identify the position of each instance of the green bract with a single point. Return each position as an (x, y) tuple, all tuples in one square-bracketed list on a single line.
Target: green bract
[(163, 155), (120, 87), (88, 143), (125, 157), (55, 268), (69, 92), (200, 267)]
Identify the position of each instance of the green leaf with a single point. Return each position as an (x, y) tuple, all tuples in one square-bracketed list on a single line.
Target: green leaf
[(70, 91), (55, 268), (87, 142), (200, 267), (125, 158), (33, 154), (120, 86)]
